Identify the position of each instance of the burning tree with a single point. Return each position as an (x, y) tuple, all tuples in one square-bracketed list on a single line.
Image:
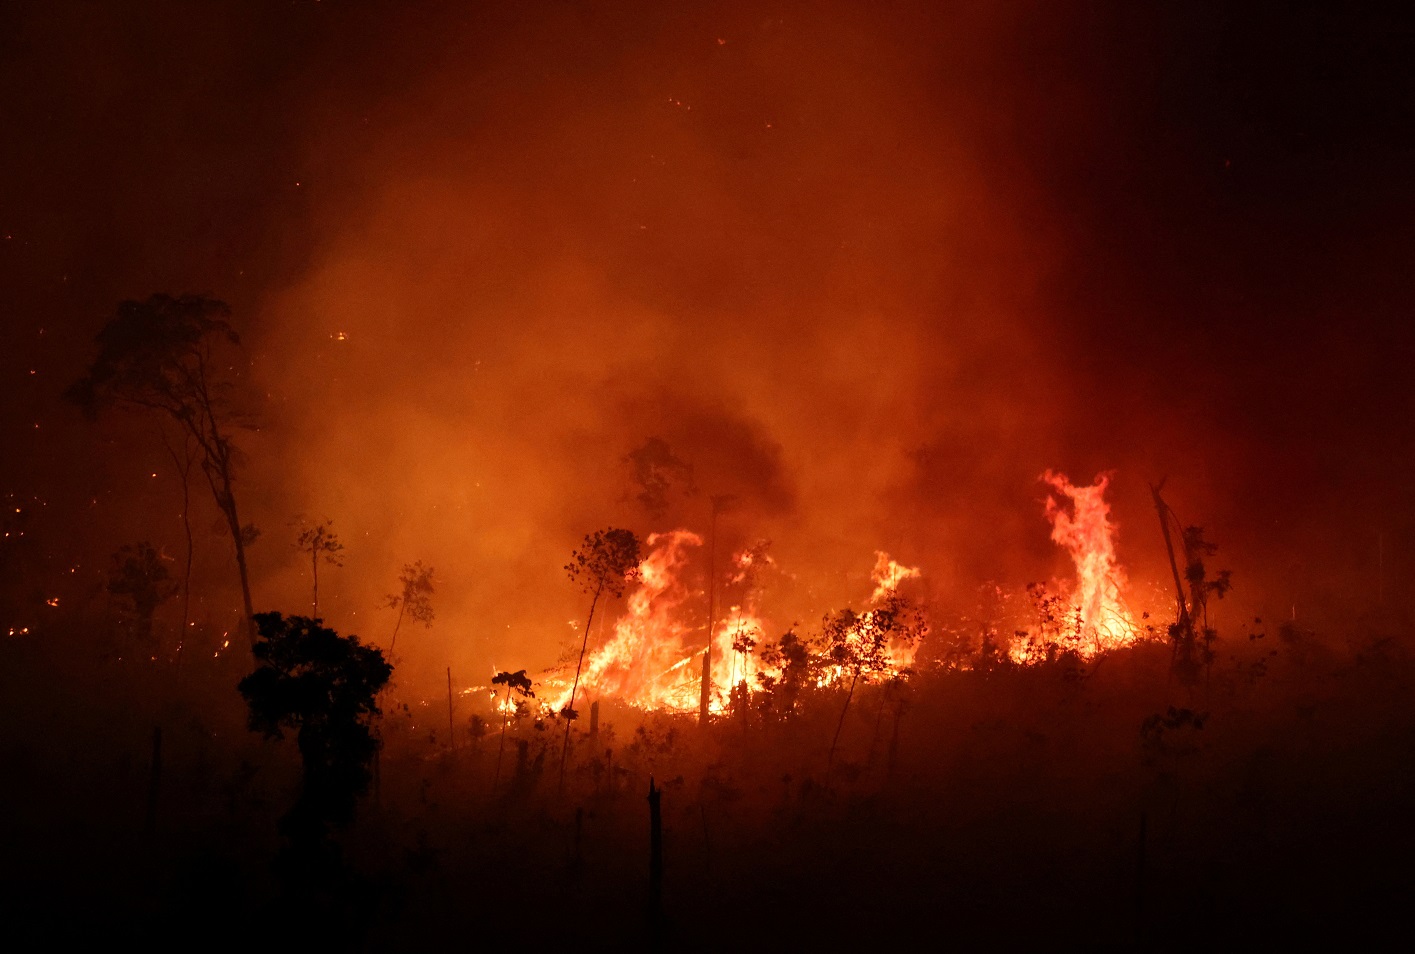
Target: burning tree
[(324, 687), (606, 562), (413, 600), (164, 354)]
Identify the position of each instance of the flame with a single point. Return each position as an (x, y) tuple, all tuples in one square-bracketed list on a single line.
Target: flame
[(1096, 610), (898, 653), (645, 662), (734, 655), (653, 660), (887, 575)]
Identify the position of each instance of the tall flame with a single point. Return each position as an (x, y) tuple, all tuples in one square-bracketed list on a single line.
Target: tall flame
[(644, 662), (1080, 522)]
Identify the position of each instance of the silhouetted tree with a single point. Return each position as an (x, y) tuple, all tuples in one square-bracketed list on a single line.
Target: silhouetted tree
[(318, 541), (323, 686), (140, 583), (414, 598), (790, 657), (1191, 618), (164, 354), (858, 643), (606, 562), (513, 681)]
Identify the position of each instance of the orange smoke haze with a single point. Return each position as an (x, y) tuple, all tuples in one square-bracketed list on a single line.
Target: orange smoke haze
[(868, 271), (803, 284)]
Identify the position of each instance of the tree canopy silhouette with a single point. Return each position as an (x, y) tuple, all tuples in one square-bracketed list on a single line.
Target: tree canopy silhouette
[(323, 686), (319, 540), (606, 562), (521, 683), (858, 643), (414, 599), (164, 354)]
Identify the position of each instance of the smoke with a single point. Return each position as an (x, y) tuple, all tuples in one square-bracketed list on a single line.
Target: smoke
[(869, 271)]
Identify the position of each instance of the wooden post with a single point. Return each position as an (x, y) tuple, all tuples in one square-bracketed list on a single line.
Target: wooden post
[(655, 866)]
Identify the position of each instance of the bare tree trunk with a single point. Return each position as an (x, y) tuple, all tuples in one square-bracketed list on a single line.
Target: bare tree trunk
[(570, 706), (227, 503), (314, 574), (1184, 645), (402, 605), (830, 760)]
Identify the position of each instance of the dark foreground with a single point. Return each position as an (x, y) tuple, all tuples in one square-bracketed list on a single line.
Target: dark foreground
[(1007, 809)]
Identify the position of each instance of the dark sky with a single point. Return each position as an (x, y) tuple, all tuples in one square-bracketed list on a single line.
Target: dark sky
[(881, 264)]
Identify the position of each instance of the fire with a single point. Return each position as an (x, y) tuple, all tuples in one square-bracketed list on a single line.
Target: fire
[(889, 612), (653, 659), (887, 575), (734, 655), (1095, 615), (645, 662)]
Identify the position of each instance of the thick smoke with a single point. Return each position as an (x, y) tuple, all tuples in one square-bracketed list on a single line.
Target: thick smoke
[(870, 271)]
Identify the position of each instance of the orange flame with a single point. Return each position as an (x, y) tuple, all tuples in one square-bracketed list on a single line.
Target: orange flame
[(645, 662), (1080, 522)]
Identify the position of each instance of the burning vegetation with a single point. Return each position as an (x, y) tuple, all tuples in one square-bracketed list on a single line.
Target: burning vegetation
[(618, 475)]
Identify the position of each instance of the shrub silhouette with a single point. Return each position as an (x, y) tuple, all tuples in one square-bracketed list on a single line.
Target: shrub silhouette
[(324, 687)]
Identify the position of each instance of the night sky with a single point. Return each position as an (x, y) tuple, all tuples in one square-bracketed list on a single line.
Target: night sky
[(875, 266)]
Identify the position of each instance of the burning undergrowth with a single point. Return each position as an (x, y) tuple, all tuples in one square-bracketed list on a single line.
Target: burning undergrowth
[(693, 639)]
